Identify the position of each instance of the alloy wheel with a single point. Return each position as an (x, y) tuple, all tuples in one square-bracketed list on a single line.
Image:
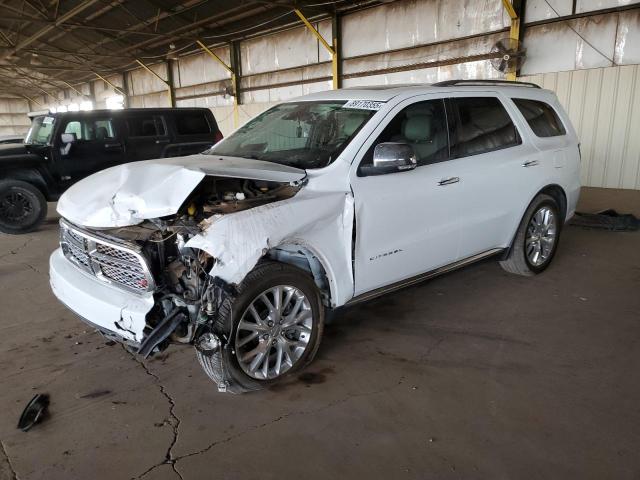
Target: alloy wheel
[(274, 332), (542, 233)]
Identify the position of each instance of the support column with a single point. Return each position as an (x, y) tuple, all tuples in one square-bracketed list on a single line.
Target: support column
[(335, 61), (166, 82), (336, 57), (514, 10), (235, 82)]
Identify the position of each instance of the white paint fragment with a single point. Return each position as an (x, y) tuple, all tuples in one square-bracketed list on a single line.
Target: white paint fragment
[(322, 222)]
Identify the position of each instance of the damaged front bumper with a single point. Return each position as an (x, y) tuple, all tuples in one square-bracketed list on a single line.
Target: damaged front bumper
[(113, 311)]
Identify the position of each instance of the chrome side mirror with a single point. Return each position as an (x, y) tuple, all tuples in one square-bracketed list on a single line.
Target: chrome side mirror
[(391, 157), (67, 138)]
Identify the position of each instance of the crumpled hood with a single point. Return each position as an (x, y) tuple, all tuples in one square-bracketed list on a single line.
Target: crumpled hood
[(131, 193)]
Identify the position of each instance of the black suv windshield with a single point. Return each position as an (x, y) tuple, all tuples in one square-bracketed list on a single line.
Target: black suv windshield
[(40, 131), (302, 134)]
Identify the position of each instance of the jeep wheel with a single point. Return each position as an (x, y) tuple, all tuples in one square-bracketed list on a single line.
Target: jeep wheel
[(22, 207), (537, 238), (273, 326)]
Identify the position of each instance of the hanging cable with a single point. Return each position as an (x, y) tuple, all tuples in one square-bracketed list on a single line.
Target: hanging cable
[(613, 63)]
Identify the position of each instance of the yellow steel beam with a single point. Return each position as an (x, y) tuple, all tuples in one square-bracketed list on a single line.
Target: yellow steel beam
[(109, 83), (214, 56), (514, 31), (33, 100), (234, 79), (333, 50), (315, 32), (169, 87), (73, 88), (509, 8)]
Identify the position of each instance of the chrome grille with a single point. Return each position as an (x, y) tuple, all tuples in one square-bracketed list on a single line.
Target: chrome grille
[(119, 264)]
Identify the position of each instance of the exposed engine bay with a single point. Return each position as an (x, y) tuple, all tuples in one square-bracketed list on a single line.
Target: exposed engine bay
[(187, 298)]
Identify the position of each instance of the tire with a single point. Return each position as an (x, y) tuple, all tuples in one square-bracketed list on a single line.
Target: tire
[(266, 278), (521, 259), (22, 207)]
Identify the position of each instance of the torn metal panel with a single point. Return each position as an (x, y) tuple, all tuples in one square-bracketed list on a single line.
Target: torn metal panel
[(131, 193), (319, 221)]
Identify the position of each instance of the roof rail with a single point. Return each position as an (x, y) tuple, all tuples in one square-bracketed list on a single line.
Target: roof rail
[(452, 83)]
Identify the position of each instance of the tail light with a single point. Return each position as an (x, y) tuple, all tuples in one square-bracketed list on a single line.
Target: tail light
[(218, 136)]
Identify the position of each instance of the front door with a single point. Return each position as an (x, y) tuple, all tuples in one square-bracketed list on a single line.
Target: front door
[(98, 145), (407, 223)]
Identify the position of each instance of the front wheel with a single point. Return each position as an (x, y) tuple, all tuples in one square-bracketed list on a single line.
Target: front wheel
[(273, 328), (537, 238), (22, 207)]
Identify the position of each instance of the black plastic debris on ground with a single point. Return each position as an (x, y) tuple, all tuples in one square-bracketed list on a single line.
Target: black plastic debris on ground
[(34, 412), (607, 220)]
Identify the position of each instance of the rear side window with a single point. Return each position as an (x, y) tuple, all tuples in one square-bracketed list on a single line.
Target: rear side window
[(541, 117), (192, 123), (146, 126), (479, 125)]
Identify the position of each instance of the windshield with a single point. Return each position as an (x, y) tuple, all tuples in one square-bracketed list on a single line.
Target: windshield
[(40, 131), (303, 134)]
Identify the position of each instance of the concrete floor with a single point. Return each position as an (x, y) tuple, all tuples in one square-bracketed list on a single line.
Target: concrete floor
[(477, 374)]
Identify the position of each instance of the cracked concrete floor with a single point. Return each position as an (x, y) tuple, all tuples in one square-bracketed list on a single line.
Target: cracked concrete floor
[(478, 374)]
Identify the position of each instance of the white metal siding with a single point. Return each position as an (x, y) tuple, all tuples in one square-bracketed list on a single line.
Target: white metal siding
[(604, 107)]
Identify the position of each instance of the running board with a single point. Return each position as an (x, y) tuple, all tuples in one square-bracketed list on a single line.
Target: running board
[(420, 278)]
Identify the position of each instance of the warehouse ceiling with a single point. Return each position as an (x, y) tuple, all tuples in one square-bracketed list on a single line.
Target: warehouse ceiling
[(46, 45)]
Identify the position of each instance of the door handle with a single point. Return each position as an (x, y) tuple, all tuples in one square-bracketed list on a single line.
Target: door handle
[(530, 163), (448, 181), (162, 140), (113, 146)]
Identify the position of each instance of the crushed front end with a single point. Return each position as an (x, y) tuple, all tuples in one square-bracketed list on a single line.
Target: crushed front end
[(141, 284)]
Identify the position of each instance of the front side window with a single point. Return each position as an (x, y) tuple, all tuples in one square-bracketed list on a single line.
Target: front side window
[(91, 129), (541, 117), (40, 131), (422, 125), (479, 125), (189, 123), (300, 134)]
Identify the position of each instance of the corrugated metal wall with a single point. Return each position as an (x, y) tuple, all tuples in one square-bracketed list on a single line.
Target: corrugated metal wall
[(596, 54), (604, 106), (13, 118)]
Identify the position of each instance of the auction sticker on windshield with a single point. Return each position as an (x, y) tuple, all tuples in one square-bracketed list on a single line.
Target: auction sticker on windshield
[(47, 120), (363, 105)]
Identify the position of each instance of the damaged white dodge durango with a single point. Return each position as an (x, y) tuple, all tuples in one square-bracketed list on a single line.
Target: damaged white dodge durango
[(318, 203)]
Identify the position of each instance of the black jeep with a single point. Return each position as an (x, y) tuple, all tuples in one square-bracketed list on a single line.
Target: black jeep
[(62, 148)]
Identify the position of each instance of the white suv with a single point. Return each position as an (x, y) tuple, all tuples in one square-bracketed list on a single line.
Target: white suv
[(321, 202)]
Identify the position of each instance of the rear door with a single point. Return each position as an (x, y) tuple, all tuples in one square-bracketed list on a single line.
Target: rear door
[(497, 170), (148, 136), (98, 145)]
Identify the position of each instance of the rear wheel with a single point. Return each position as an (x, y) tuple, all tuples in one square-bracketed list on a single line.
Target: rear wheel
[(273, 326), (537, 238), (22, 207)]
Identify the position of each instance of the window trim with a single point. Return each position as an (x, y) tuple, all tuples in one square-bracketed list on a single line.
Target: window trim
[(175, 115), (552, 107), (391, 117), (456, 115), (93, 119)]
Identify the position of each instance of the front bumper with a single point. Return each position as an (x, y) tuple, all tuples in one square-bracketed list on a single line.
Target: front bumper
[(107, 308)]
